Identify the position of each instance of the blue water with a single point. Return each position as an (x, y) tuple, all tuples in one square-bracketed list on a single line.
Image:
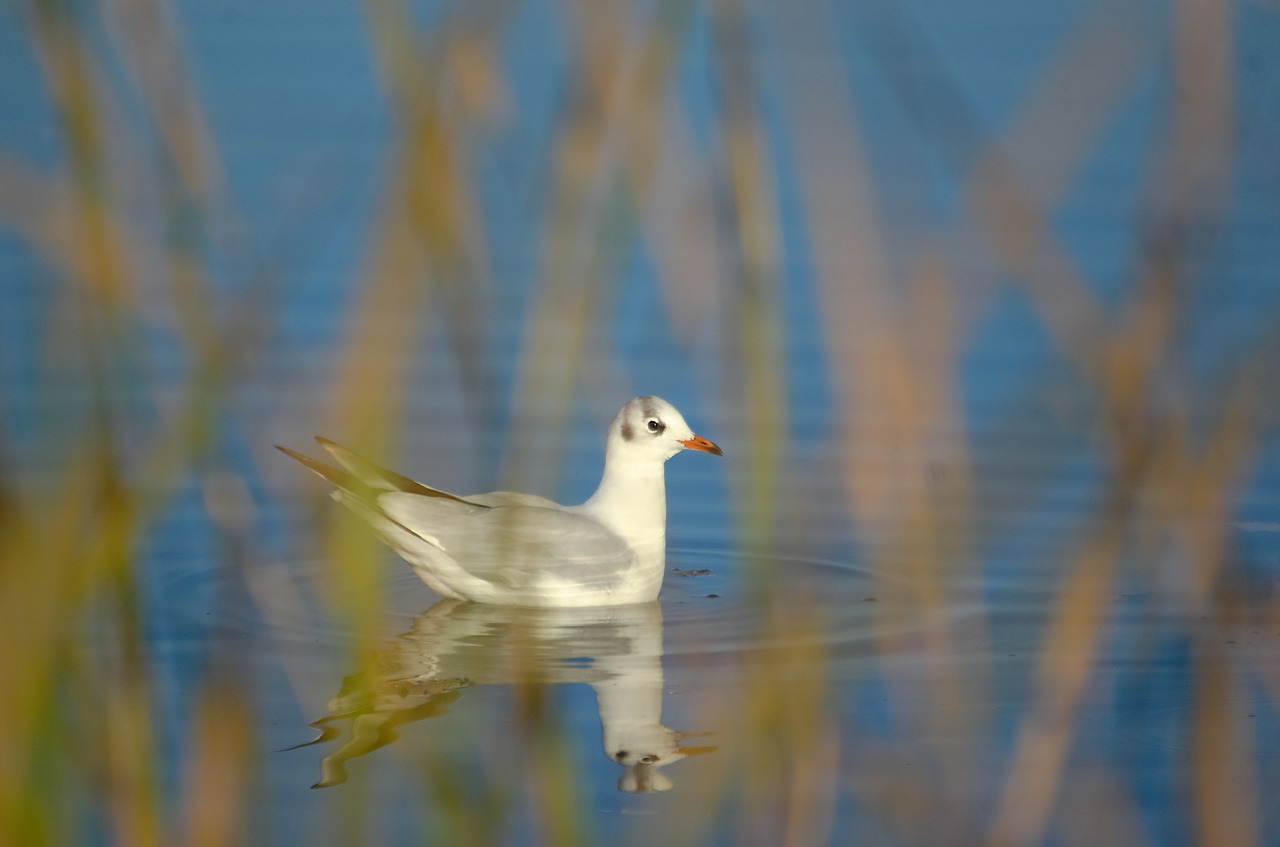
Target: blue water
[(923, 698)]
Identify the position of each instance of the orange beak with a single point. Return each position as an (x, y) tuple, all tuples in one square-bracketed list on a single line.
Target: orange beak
[(682, 737), (700, 443)]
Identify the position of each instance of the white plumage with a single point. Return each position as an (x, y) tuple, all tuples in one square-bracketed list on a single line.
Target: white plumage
[(521, 549)]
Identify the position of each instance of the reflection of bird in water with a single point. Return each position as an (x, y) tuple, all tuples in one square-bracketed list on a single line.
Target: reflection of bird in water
[(616, 650), (524, 550)]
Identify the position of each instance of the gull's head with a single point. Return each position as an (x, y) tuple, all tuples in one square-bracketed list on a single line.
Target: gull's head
[(650, 428)]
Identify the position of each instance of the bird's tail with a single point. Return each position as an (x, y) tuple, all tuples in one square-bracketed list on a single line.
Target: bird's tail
[(353, 492), (364, 478)]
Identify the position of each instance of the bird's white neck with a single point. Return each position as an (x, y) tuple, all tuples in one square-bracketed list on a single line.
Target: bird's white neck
[(631, 501)]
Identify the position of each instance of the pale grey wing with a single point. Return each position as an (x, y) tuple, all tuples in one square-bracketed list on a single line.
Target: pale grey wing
[(511, 498), (515, 545)]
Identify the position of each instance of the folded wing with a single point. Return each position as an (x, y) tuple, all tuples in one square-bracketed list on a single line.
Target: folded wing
[(502, 546), (518, 546)]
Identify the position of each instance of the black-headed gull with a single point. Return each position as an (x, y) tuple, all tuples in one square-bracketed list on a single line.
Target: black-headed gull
[(525, 550)]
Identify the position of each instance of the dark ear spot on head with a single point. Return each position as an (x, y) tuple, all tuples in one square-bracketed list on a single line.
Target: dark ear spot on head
[(627, 432)]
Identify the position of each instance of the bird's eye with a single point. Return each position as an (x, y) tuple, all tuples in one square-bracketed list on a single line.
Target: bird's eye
[(655, 425)]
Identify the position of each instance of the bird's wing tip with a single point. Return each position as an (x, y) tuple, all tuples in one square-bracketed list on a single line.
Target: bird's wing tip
[(333, 475), (345, 456)]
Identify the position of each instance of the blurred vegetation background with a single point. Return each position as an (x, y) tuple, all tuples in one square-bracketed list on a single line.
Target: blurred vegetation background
[(983, 296)]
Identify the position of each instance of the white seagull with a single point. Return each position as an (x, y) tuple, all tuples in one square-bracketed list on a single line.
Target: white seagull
[(523, 550)]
